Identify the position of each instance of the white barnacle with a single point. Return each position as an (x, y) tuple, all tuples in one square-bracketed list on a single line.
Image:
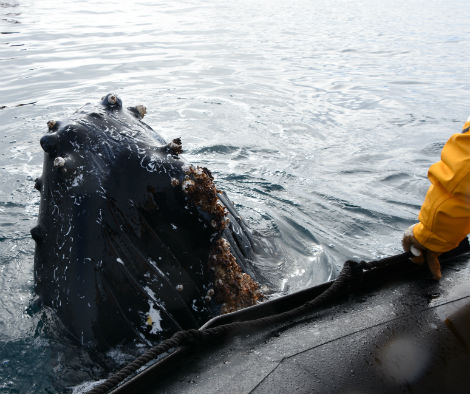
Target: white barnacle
[(174, 145), (187, 184), (141, 109), (179, 288), (207, 298), (174, 182), (59, 162), (210, 292), (112, 99), (51, 124)]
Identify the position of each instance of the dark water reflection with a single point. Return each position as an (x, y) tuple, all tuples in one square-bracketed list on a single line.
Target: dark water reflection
[(319, 119)]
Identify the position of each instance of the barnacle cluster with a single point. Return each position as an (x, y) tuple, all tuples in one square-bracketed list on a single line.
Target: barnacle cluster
[(199, 185), (234, 289), (175, 147)]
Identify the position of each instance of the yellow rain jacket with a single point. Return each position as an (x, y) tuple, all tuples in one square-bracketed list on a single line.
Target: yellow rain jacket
[(444, 219)]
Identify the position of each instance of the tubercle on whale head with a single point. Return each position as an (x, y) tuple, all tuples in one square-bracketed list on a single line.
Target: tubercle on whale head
[(53, 125), (37, 233), (111, 101), (59, 162), (49, 143), (138, 111), (175, 147), (38, 184)]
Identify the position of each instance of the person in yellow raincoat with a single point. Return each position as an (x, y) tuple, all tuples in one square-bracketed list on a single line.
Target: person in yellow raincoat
[(444, 219)]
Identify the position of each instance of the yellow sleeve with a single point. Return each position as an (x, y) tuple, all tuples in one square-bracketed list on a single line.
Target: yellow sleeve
[(444, 219)]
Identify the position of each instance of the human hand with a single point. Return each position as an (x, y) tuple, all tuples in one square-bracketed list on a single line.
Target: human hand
[(421, 254)]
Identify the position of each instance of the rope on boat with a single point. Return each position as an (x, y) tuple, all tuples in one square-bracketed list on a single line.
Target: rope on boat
[(350, 275)]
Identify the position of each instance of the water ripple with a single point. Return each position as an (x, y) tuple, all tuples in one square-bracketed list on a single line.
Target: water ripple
[(319, 119)]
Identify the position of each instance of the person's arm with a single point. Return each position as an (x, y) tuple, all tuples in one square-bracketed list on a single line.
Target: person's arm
[(444, 219)]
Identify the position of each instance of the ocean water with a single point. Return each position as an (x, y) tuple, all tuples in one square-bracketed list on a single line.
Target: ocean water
[(318, 118)]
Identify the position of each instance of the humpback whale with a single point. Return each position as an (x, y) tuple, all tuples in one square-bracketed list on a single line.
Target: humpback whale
[(132, 242)]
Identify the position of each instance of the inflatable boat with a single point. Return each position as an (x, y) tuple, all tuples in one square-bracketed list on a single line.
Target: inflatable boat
[(398, 331)]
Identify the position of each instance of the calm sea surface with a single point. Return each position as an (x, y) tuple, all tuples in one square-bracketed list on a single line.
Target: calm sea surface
[(318, 118)]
